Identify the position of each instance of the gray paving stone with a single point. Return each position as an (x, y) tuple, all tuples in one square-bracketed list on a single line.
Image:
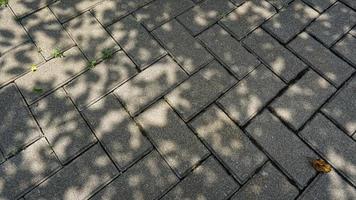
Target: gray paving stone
[(17, 127), (350, 3), (79, 179), (147, 179), (238, 2), (172, 137), (186, 50), (196, 186), (24, 7), (18, 61), (118, 133), (51, 74), (90, 36), (321, 59), (101, 79), (247, 17), (285, 64), (299, 102), (201, 89), (61, 123), (2, 158), (332, 144), (150, 84), (47, 33), (333, 24), (136, 41), (251, 94), (320, 5), (289, 22), (229, 51), (279, 4), (228, 142), (346, 48), (26, 169), (205, 14), (268, 184), (283, 146), (160, 11), (342, 108), (328, 187)]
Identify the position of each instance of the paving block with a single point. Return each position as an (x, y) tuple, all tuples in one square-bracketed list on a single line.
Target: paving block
[(329, 186), (302, 99), (333, 24), (61, 123), (283, 146), (205, 14), (79, 179), (197, 186), (345, 47), (201, 89), (160, 11), (136, 41), (283, 63), (229, 51), (342, 108), (251, 94), (18, 61), (332, 144), (26, 169), (320, 5), (350, 3), (289, 22), (174, 140), (101, 79), (17, 127), (149, 85), (321, 59), (24, 7), (147, 179), (116, 131), (248, 17), (188, 52), (47, 33), (90, 36), (228, 143), (279, 4), (269, 183), (51, 75)]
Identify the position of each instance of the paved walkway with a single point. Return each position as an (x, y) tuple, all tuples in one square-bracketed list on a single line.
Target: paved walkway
[(177, 99)]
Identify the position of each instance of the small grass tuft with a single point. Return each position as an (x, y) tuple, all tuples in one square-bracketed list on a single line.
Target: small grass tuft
[(92, 63), (37, 90), (3, 3), (107, 53), (33, 67), (57, 53)]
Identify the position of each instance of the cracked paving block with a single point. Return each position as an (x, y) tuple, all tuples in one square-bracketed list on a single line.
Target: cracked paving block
[(346, 48), (17, 127), (116, 131), (201, 89), (188, 52), (79, 179), (172, 137), (279, 4), (196, 186), (342, 108), (283, 146), (269, 183), (320, 5), (251, 94), (47, 33), (150, 84), (63, 126), (289, 22), (302, 99), (332, 144), (90, 36), (26, 169), (147, 179), (229, 51), (136, 41), (18, 61), (321, 59), (205, 14), (333, 24), (51, 75), (247, 17), (99, 80), (350, 3), (24, 7), (228, 143), (160, 11), (282, 62)]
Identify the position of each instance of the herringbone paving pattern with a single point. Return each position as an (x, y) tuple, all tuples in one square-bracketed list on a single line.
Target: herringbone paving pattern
[(177, 99)]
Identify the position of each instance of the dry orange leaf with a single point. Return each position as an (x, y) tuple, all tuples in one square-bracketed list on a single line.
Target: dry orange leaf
[(321, 166)]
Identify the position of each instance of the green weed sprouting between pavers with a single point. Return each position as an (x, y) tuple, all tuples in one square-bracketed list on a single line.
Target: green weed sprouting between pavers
[(3, 3)]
